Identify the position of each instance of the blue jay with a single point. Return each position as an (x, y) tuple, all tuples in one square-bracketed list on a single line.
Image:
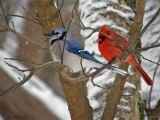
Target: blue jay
[(73, 51)]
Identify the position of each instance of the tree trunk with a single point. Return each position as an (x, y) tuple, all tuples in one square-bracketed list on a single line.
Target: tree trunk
[(75, 94)]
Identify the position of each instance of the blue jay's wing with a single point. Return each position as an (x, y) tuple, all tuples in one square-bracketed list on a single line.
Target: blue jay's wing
[(76, 48), (73, 46)]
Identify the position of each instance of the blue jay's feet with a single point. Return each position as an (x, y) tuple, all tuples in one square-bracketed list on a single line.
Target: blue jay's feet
[(68, 69), (71, 71)]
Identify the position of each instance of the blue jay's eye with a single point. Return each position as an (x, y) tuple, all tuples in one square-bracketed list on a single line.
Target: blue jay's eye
[(56, 33), (52, 32)]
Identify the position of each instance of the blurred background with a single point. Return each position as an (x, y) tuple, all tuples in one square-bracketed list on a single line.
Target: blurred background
[(41, 98)]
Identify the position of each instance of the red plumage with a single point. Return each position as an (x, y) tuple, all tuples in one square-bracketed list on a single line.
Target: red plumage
[(112, 45)]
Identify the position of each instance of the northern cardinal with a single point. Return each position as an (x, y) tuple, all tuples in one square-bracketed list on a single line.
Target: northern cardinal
[(112, 45)]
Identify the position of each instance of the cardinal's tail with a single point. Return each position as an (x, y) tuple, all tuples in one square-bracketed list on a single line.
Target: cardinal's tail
[(143, 74)]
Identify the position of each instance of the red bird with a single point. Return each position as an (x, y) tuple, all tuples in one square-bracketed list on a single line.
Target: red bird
[(112, 45)]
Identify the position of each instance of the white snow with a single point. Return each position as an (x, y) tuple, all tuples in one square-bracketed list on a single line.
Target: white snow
[(126, 93), (124, 100), (120, 13), (129, 85), (1, 118), (126, 108)]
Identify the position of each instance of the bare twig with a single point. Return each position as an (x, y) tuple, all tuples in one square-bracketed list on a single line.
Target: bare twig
[(150, 22), (26, 61), (10, 89), (156, 41), (67, 30), (29, 13), (59, 10), (27, 78), (16, 67), (11, 15), (150, 92), (5, 28), (4, 12), (146, 48), (147, 25), (149, 60)]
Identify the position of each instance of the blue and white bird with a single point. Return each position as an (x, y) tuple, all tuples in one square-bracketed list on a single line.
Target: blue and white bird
[(73, 51)]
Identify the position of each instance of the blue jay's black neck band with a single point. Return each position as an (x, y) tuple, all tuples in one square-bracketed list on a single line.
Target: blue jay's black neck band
[(60, 38), (54, 40)]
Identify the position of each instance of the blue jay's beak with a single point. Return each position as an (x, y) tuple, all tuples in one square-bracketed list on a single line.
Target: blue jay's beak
[(47, 34)]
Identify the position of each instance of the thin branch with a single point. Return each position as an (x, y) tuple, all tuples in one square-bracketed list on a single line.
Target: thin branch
[(30, 62), (29, 13), (16, 67), (67, 30), (59, 10), (146, 27), (92, 75), (86, 76), (156, 41), (4, 12), (27, 78), (11, 15), (150, 22), (146, 48), (150, 92), (149, 60), (15, 86), (5, 28)]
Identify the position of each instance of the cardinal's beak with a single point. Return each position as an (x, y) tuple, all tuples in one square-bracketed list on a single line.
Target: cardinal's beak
[(98, 40), (47, 34)]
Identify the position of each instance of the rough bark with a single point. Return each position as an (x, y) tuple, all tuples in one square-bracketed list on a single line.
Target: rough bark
[(78, 103)]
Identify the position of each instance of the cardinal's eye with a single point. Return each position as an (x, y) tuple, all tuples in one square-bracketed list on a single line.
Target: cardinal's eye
[(102, 37)]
